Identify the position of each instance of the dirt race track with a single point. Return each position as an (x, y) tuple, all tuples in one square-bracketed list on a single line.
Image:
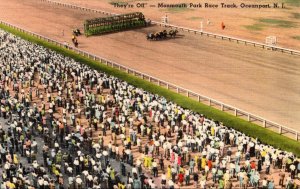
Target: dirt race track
[(246, 23), (262, 82)]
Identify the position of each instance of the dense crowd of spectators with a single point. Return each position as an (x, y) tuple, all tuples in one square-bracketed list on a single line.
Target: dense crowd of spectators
[(66, 123)]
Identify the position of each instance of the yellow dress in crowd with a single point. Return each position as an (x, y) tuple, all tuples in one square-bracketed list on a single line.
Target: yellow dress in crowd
[(169, 173), (54, 170), (86, 162), (16, 161), (121, 186), (203, 163), (196, 160), (10, 185), (212, 131), (183, 117), (148, 162)]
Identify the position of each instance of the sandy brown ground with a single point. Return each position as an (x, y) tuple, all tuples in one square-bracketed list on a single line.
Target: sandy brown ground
[(261, 82), (236, 20)]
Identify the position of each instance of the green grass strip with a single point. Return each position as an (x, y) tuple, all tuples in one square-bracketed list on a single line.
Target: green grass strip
[(278, 23), (296, 37), (295, 3), (175, 10), (255, 27), (195, 18), (296, 15), (264, 135)]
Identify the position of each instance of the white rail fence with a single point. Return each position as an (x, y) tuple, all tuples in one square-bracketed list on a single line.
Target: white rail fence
[(200, 98), (202, 33), (232, 39), (79, 7)]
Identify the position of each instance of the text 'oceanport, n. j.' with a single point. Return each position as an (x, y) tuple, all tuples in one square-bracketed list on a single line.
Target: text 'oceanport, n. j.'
[(201, 5)]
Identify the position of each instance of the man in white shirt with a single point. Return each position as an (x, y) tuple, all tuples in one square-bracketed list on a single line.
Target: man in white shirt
[(154, 168)]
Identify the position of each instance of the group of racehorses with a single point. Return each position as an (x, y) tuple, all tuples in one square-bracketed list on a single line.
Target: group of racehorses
[(76, 33), (151, 36), (162, 35)]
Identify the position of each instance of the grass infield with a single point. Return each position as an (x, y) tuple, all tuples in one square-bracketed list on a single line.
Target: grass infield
[(176, 9), (255, 27), (264, 135), (296, 37), (278, 23), (296, 15), (295, 3)]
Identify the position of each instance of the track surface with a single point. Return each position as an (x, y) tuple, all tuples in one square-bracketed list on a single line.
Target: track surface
[(236, 20), (261, 82)]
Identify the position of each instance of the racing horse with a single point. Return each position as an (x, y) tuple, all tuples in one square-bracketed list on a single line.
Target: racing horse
[(74, 40), (76, 32), (158, 35), (164, 34), (150, 36), (173, 33)]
